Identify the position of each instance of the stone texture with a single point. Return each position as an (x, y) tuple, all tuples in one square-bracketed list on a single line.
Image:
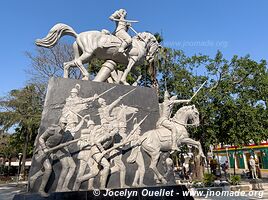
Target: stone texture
[(145, 99)]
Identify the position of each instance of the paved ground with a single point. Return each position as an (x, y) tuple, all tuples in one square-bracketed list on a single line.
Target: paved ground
[(8, 191), (250, 195)]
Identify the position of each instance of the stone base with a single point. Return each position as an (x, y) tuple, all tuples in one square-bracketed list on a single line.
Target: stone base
[(163, 192), (143, 99), (240, 188), (256, 184)]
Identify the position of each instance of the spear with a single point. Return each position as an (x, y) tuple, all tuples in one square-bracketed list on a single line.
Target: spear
[(107, 91), (128, 93), (198, 90)]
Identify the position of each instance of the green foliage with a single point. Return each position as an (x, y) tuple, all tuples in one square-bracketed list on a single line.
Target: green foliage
[(208, 179), (235, 180), (21, 108), (233, 102)]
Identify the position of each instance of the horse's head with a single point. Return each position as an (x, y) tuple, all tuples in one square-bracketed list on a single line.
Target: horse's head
[(187, 115), (124, 110), (151, 44), (129, 110)]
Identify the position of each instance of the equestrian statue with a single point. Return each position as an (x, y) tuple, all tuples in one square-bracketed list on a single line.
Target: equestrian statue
[(114, 48)]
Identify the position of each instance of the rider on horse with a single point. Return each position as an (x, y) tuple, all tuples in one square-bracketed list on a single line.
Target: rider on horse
[(122, 26), (165, 113)]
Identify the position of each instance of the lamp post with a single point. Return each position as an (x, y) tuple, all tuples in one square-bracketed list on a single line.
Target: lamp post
[(18, 178)]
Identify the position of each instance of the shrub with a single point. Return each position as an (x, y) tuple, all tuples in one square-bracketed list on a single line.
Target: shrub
[(235, 180), (208, 179)]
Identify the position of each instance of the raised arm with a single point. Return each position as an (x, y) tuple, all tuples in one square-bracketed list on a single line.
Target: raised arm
[(112, 105), (85, 100), (181, 101), (114, 16)]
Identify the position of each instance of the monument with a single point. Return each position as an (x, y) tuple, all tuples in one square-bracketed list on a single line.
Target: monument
[(105, 135)]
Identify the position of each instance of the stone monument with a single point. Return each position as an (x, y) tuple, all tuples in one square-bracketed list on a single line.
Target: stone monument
[(100, 134)]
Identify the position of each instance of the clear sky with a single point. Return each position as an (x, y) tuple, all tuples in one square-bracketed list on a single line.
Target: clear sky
[(235, 27)]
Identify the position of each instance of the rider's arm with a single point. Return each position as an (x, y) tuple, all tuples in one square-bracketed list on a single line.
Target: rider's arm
[(112, 105), (114, 16), (181, 101), (85, 100)]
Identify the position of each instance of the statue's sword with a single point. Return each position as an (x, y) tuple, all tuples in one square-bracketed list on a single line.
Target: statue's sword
[(124, 20)]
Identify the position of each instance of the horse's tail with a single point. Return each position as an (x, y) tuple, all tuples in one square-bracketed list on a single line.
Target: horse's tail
[(55, 33)]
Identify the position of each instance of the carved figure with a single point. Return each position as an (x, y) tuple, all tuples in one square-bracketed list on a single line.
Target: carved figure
[(52, 137), (160, 140), (85, 155), (136, 156), (121, 28), (165, 114), (104, 46), (99, 139), (75, 104), (120, 117)]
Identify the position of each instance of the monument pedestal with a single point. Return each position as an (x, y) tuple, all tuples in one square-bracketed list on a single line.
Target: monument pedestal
[(256, 184), (136, 103), (154, 193)]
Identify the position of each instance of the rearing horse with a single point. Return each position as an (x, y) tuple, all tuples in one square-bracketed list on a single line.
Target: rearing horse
[(104, 46), (159, 140)]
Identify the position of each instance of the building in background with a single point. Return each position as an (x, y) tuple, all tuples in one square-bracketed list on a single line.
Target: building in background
[(238, 157)]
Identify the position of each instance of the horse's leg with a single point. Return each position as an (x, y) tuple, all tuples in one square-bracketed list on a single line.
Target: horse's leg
[(154, 161), (79, 63), (67, 65), (194, 143), (131, 62)]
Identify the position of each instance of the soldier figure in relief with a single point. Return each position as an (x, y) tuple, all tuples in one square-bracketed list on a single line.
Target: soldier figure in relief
[(96, 143), (136, 156), (105, 113), (52, 137), (165, 114), (85, 156), (120, 114), (75, 104)]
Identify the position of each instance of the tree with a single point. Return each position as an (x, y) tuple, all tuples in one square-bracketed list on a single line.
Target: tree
[(22, 108), (233, 103)]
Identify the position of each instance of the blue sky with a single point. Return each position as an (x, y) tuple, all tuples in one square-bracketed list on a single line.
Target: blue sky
[(235, 27)]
